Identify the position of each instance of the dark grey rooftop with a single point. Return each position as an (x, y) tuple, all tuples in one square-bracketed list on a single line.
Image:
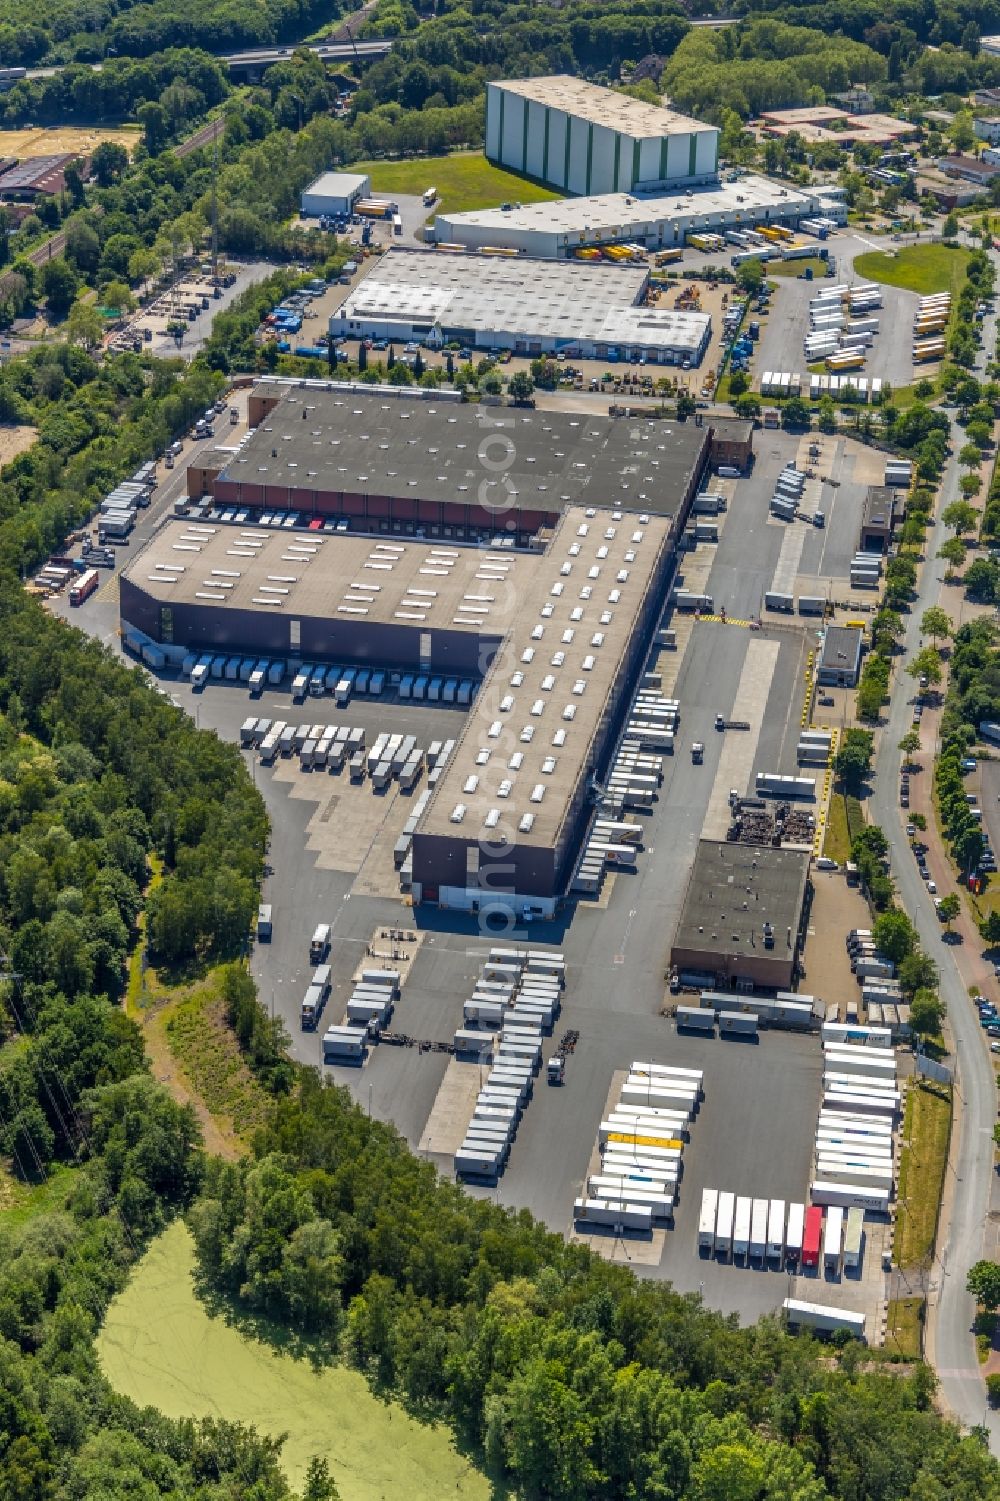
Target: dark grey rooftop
[(342, 442), (734, 890), (880, 503), (841, 647)]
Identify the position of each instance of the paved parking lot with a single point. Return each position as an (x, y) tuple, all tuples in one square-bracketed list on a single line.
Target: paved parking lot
[(784, 328)]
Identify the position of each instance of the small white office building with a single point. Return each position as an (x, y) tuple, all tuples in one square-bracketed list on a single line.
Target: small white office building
[(334, 194)]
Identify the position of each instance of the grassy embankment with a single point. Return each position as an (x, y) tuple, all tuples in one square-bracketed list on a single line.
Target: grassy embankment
[(161, 1346), (926, 1131), (464, 181), (192, 1049), (844, 821), (926, 1134)]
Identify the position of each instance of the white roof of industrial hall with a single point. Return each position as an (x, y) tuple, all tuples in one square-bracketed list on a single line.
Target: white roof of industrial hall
[(338, 184), (607, 107), (520, 754), (608, 210), (566, 300)]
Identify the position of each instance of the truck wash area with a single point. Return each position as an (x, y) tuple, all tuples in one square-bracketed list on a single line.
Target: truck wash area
[(331, 860)]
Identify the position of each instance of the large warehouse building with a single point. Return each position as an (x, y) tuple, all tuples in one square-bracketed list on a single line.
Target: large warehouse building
[(743, 916), (658, 220), (506, 819), (594, 506), (586, 311), (583, 139)]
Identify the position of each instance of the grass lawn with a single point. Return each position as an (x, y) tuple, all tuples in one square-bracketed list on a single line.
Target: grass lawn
[(924, 269), (926, 1129), (161, 1347), (464, 180), (797, 268), (20, 1201), (903, 1327), (837, 843)]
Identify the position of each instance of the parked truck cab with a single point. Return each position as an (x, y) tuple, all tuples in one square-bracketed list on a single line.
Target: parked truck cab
[(319, 946)]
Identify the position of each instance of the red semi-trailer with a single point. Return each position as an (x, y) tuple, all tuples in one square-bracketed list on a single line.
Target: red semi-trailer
[(813, 1236)]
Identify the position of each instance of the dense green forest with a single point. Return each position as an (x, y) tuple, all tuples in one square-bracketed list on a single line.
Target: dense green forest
[(183, 81), (95, 772), (764, 65), (88, 30), (576, 1379)]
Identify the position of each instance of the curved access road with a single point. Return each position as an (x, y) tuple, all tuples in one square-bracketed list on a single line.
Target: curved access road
[(969, 1183)]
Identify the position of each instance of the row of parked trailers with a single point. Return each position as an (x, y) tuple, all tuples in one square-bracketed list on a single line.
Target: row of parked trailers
[(860, 388), (866, 570), (341, 682), (527, 985), (898, 473), (769, 1233), (786, 604), (929, 324), (514, 985), (814, 748), (641, 1146), (854, 1152), (369, 1009), (633, 781), (788, 1009), (256, 672), (344, 682)]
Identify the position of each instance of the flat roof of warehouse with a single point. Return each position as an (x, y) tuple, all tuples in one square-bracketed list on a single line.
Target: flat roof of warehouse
[(607, 210), (469, 455), (733, 890), (423, 585), (535, 721), (338, 184), (565, 300), (599, 106)]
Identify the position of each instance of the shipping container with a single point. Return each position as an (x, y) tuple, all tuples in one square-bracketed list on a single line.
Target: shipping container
[(617, 1215), (794, 1232), (706, 1223), (861, 1104), (821, 1318), (694, 1019), (737, 1023), (832, 1237), (741, 1228), (758, 1230), (846, 1195), (724, 1223), (854, 1175), (872, 1037), (776, 1229), (853, 1238), (344, 1045), (470, 1163), (812, 1235)]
